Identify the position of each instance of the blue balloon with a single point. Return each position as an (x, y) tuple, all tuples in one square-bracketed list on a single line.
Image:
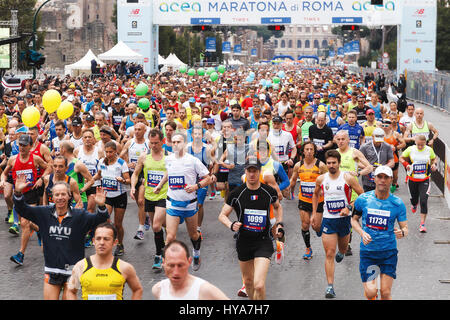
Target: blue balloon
[(281, 74), (262, 82), (252, 74), (268, 83), (249, 79)]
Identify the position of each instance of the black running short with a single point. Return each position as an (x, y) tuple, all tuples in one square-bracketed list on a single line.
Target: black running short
[(119, 202), (56, 279), (222, 176), (306, 206), (150, 205), (31, 197), (91, 190), (251, 249)]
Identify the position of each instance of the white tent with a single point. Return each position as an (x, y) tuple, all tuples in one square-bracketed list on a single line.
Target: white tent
[(232, 62), (121, 52), (161, 60), (83, 65), (173, 61)]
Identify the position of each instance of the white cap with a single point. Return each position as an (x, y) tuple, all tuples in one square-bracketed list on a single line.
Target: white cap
[(117, 100), (202, 96), (124, 96), (262, 97), (383, 169), (378, 135)]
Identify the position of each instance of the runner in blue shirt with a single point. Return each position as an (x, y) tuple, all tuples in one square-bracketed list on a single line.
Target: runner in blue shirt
[(379, 210), (355, 131)]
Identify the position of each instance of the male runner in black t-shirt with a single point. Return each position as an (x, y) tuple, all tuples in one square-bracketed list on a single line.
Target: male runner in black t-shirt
[(258, 211)]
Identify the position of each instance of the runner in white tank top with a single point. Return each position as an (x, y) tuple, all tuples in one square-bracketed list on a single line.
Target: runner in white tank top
[(337, 194), (192, 294), (90, 161)]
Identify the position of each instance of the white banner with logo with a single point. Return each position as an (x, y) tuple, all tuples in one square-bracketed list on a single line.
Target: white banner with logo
[(257, 12), (418, 36)]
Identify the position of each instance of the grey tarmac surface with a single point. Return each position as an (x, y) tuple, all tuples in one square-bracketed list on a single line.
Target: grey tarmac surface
[(420, 267)]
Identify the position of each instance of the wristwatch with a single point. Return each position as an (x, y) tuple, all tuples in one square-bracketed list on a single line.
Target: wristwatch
[(199, 186), (349, 207)]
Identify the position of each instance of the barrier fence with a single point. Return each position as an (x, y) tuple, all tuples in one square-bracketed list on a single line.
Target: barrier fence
[(429, 88)]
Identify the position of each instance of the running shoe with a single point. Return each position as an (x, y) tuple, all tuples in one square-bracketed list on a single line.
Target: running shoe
[(11, 217), (279, 257), (212, 196), (422, 228), (242, 292), (157, 264), (339, 257), (147, 223), (349, 251), (329, 293), (14, 229), (308, 254), (139, 235), (414, 209), (18, 258), (119, 250), (196, 263)]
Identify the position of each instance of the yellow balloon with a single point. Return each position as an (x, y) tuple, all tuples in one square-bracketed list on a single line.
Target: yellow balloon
[(51, 100), (31, 116), (65, 110)]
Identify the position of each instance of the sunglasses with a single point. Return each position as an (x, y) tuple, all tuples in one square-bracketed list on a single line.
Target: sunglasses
[(333, 110)]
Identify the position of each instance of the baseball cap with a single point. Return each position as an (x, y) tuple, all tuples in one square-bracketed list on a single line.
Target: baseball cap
[(204, 119), (253, 162), (117, 101), (90, 118), (262, 97), (331, 95), (321, 108), (214, 101), (378, 135), (202, 96), (23, 129), (124, 96), (369, 111), (76, 122), (277, 119), (383, 170), (25, 140), (191, 100), (210, 121)]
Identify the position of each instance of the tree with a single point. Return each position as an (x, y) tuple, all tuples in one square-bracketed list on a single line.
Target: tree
[(443, 35), (25, 15)]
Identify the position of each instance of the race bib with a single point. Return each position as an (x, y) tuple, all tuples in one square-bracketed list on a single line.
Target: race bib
[(319, 142), (419, 168), (102, 297), (154, 178), (117, 120), (279, 150), (352, 143), (335, 205), (378, 219), (28, 174), (110, 184), (176, 182), (254, 220), (222, 169), (92, 171), (307, 189)]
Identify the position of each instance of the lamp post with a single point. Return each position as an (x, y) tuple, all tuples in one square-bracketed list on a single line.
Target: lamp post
[(34, 32)]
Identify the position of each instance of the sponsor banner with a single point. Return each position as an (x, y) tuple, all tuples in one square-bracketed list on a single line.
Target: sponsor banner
[(332, 54), (341, 52), (254, 52), (210, 44), (306, 12), (237, 48), (135, 29), (347, 48), (438, 177), (354, 47), (226, 47), (418, 36)]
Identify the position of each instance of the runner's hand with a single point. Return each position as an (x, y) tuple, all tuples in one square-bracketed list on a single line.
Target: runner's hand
[(157, 189), (100, 197), (398, 233), (237, 226), (366, 238), (344, 212), (38, 184), (132, 192), (433, 167), (21, 183), (191, 188)]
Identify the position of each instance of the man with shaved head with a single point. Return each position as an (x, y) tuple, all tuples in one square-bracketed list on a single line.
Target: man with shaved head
[(420, 127)]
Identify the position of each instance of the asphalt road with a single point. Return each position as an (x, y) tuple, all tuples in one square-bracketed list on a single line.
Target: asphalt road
[(421, 265)]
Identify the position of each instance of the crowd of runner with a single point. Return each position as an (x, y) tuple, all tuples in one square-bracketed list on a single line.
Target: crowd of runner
[(318, 136)]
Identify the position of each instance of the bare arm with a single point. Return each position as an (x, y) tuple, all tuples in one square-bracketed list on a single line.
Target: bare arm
[(132, 280)]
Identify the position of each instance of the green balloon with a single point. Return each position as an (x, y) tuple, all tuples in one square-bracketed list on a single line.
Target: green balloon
[(141, 89), (276, 80), (144, 103), (214, 76), (191, 72), (201, 71), (183, 69), (209, 71), (221, 69)]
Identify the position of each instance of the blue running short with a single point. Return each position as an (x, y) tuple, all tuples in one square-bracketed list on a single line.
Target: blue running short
[(341, 226), (372, 263)]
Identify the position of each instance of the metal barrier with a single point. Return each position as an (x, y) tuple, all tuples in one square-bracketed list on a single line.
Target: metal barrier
[(429, 88)]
